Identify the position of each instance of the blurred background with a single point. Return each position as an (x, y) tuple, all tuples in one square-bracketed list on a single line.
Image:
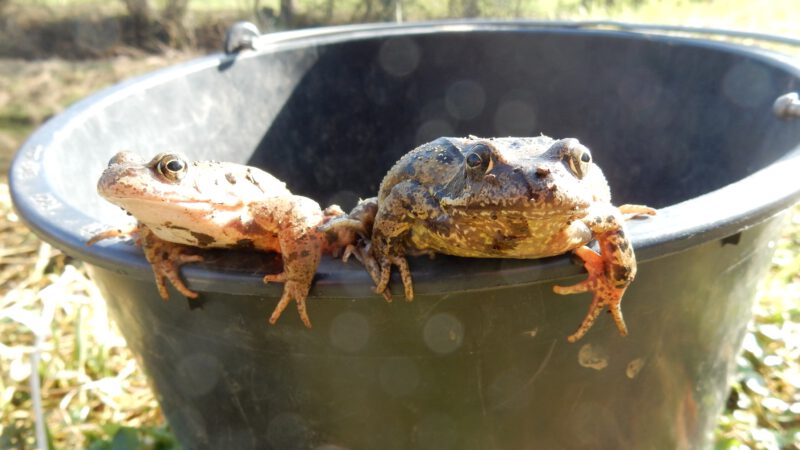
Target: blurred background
[(64, 365)]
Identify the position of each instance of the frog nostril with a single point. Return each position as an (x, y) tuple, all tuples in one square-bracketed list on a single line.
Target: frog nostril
[(529, 185)]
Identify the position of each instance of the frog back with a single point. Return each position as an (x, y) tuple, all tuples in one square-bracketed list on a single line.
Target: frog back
[(432, 164)]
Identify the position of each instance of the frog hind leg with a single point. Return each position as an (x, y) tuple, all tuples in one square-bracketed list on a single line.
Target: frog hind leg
[(166, 259), (364, 256)]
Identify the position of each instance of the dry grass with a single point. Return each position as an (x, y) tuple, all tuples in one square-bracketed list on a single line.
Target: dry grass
[(763, 411), (32, 91), (52, 312), (91, 387)]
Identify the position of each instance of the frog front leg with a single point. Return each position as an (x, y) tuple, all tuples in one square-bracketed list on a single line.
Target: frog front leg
[(351, 234), (295, 221), (610, 271), (165, 258), (408, 202)]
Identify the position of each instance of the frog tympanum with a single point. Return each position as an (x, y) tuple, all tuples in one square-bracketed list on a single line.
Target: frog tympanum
[(181, 205), (505, 198)]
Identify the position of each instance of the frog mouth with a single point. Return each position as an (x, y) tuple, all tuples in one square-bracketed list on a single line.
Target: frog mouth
[(165, 202), (119, 192), (533, 209)]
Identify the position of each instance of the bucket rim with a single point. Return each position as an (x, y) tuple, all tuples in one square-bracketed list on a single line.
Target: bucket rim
[(725, 211)]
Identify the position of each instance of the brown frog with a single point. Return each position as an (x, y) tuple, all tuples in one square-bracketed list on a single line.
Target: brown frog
[(181, 205), (505, 198)]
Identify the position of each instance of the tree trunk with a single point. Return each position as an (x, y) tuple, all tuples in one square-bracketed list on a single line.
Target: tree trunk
[(175, 10), (286, 14), (471, 8), (174, 18), (141, 20)]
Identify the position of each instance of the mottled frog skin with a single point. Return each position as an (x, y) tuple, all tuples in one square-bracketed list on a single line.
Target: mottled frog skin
[(181, 205), (526, 197)]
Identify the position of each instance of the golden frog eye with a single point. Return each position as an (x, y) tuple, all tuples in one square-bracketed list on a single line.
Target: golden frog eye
[(172, 167), (579, 159)]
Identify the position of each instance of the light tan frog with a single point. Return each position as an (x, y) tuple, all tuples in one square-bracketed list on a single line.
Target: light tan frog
[(504, 198), (181, 204)]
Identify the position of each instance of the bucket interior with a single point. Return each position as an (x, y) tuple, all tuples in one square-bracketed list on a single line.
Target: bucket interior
[(666, 119)]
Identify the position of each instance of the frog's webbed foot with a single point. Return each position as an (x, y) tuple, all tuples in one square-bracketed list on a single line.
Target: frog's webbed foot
[(342, 235), (166, 260), (292, 290), (354, 230), (606, 294), (634, 211), (364, 256), (386, 262)]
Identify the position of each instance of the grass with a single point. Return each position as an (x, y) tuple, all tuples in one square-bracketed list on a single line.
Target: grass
[(33, 91), (93, 393), (764, 408)]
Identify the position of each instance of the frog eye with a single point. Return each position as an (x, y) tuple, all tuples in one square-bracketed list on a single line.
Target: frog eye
[(479, 159), (579, 159), (171, 167), (473, 160)]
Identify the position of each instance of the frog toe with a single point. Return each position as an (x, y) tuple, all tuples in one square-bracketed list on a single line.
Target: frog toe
[(616, 313), (161, 285), (621, 327), (604, 296), (405, 275), (385, 274), (169, 268), (594, 310), (583, 286), (303, 312), (274, 278), (594, 264), (372, 266), (292, 290), (351, 250), (181, 287), (382, 283), (634, 211), (114, 233), (187, 258)]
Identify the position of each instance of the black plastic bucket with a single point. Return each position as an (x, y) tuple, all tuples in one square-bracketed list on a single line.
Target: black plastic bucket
[(479, 360)]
